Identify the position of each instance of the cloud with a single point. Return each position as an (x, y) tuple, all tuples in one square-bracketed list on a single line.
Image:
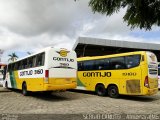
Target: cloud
[(30, 25), (34, 17)]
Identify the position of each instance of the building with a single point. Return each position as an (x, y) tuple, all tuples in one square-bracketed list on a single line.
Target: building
[(85, 46)]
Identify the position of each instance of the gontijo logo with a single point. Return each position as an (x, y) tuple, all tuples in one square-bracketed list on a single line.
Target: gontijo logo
[(63, 53)]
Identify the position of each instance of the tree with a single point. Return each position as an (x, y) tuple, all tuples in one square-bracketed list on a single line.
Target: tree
[(140, 13), (13, 57)]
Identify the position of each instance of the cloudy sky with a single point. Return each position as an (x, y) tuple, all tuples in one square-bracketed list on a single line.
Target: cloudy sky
[(30, 25)]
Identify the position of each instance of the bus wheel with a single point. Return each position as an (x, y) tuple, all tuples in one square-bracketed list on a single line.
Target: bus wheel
[(113, 91), (100, 90), (24, 89)]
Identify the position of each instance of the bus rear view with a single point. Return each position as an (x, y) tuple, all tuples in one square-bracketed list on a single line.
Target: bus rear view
[(151, 80), (61, 70), (49, 69)]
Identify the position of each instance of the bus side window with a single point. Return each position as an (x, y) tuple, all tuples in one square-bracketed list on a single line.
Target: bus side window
[(43, 58), (80, 66), (99, 64), (34, 61), (88, 65), (40, 59), (118, 63), (133, 61), (24, 64), (30, 62), (20, 65)]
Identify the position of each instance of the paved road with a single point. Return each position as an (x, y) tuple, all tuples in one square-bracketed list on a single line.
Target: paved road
[(13, 102)]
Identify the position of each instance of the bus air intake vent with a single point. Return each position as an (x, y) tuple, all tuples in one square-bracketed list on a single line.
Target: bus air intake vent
[(133, 86)]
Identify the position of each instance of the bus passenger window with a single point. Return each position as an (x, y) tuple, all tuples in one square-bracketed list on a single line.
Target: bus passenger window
[(133, 61), (40, 59), (100, 64), (20, 65), (24, 65), (118, 63), (34, 61), (30, 62), (80, 66), (88, 65)]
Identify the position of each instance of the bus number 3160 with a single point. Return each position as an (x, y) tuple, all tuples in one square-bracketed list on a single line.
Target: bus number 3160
[(39, 71)]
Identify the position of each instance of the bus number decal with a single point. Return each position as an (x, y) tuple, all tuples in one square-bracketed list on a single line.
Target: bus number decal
[(40, 71), (97, 74), (129, 74)]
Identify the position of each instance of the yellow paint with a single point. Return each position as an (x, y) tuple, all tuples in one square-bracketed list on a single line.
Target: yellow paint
[(37, 84), (117, 78)]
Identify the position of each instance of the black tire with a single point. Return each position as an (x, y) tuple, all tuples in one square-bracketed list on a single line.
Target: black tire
[(100, 90), (113, 91), (24, 89)]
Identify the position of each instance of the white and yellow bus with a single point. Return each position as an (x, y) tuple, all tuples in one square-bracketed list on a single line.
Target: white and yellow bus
[(48, 70), (133, 73)]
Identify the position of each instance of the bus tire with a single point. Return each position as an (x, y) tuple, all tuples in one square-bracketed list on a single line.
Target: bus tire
[(24, 89), (113, 91), (100, 90)]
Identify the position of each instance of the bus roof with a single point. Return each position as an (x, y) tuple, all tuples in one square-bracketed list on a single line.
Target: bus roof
[(108, 56), (40, 51)]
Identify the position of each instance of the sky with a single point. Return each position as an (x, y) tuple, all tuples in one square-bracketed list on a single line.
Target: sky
[(31, 25)]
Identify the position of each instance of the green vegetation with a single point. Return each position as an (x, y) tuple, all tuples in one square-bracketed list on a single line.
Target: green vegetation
[(13, 57)]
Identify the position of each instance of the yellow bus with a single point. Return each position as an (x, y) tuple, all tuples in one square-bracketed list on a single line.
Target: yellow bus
[(133, 73), (47, 70)]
